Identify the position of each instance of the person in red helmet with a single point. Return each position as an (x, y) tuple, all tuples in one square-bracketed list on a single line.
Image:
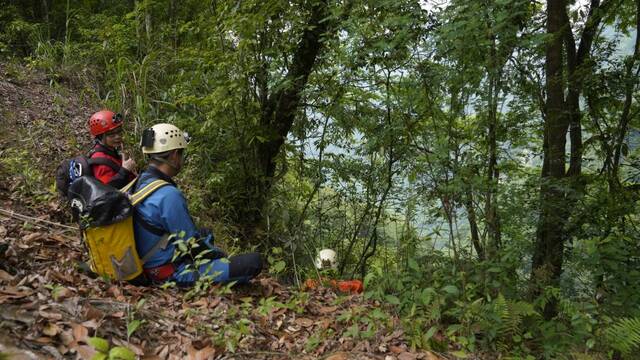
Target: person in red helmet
[(115, 168)]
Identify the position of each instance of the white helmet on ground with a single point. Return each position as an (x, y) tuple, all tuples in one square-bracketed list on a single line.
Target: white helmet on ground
[(326, 259), (163, 137)]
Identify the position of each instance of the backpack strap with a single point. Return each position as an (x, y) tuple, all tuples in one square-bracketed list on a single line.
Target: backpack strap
[(104, 161), (142, 194), (160, 245), (145, 224), (139, 219), (136, 198), (128, 187)]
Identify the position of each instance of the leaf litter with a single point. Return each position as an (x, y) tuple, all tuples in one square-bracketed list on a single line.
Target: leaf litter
[(51, 309)]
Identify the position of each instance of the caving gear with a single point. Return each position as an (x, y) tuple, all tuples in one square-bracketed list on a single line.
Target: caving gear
[(345, 286), (162, 138), (326, 259), (106, 221), (104, 121)]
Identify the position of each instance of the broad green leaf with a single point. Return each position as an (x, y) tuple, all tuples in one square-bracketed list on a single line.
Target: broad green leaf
[(99, 344), (121, 353), (451, 289)]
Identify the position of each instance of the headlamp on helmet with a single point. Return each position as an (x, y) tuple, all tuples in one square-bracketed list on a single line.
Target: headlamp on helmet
[(104, 121), (163, 137)]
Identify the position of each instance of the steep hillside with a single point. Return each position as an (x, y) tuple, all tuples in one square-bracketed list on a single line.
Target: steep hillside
[(52, 310)]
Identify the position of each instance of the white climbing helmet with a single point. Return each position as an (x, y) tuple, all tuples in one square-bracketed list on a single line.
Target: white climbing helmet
[(163, 137), (326, 259)]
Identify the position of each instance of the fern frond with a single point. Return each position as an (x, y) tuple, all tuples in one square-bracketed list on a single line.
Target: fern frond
[(624, 335)]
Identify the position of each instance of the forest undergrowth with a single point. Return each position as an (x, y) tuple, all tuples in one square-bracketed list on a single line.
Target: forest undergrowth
[(476, 164)]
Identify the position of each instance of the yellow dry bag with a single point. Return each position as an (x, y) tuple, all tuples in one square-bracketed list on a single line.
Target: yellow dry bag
[(106, 220)]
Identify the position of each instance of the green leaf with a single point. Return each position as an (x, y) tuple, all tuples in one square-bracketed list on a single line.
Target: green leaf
[(413, 265), (99, 356), (430, 332), (140, 303), (460, 354), (392, 299), (451, 289), (279, 266), (121, 353), (425, 297), (99, 344), (182, 246), (133, 326)]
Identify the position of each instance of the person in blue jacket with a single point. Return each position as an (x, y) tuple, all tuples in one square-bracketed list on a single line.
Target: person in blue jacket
[(165, 213)]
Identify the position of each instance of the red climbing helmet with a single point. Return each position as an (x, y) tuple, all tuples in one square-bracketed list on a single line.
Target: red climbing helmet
[(103, 121)]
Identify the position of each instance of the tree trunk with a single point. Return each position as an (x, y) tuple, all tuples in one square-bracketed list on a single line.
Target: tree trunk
[(45, 17), (548, 255), (557, 195), (278, 114), (473, 225), (631, 83), (491, 203)]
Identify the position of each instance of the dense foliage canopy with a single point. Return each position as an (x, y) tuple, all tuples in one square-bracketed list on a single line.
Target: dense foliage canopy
[(476, 162)]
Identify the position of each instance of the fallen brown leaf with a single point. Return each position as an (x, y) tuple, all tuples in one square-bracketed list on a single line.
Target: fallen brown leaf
[(51, 329), (92, 313), (202, 354), (91, 324), (50, 315), (43, 340), (66, 337), (407, 356), (10, 292), (304, 322), (86, 352), (15, 313), (163, 351), (117, 314), (80, 333), (431, 356), (327, 309), (32, 236), (5, 276), (338, 356)]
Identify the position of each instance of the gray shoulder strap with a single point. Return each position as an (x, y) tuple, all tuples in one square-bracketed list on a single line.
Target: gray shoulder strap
[(160, 245)]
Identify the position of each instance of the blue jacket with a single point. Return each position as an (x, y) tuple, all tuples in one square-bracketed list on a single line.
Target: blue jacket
[(166, 209)]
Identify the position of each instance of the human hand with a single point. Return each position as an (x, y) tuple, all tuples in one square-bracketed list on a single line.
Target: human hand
[(128, 163)]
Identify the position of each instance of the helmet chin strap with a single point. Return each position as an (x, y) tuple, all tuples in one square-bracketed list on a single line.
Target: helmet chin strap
[(165, 161)]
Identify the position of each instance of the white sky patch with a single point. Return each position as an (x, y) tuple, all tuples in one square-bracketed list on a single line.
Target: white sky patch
[(434, 5)]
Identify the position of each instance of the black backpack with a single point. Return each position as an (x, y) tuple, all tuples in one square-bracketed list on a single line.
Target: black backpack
[(71, 169)]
